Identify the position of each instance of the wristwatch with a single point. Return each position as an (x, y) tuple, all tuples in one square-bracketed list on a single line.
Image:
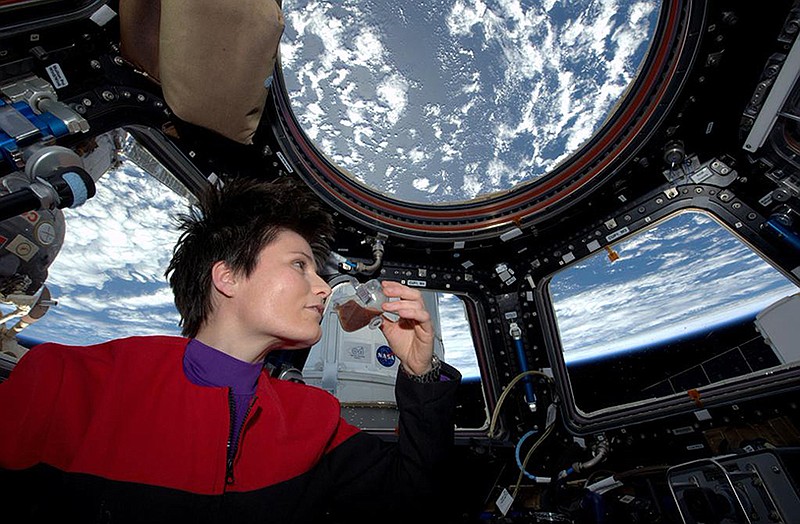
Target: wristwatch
[(432, 375)]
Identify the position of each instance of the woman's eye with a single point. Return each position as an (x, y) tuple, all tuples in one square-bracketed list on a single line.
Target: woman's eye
[(301, 264)]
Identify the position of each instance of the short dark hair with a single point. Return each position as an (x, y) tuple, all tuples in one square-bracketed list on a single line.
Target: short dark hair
[(233, 224)]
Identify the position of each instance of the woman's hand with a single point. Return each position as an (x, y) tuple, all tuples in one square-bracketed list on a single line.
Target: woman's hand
[(411, 337)]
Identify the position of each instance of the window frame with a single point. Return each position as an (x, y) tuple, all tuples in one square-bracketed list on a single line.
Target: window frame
[(769, 381)]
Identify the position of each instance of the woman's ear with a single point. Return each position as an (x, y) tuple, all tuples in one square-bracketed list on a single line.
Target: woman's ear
[(224, 278)]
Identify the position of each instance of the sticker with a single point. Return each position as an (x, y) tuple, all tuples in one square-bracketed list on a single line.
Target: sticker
[(57, 76), (701, 175), (627, 499), (615, 235), (695, 447), (284, 162), (703, 414), (417, 283), (103, 15), (45, 233), (3, 240), (23, 248), (551, 415), (358, 353), (504, 501), (385, 356), (683, 430), (31, 216)]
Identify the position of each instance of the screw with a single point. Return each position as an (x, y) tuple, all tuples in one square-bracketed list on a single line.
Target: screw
[(95, 64), (126, 94), (751, 216), (698, 190), (80, 108), (736, 205), (118, 60), (108, 96), (140, 98), (86, 102)]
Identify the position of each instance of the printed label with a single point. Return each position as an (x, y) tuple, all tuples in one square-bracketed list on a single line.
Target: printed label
[(23, 248), (358, 353), (45, 233), (57, 76), (616, 234), (504, 501), (285, 162)]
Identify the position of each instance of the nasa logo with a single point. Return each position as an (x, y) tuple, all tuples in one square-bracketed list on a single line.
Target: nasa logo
[(385, 356)]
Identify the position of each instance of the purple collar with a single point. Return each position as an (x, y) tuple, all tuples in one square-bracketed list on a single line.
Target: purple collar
[(206, 366)]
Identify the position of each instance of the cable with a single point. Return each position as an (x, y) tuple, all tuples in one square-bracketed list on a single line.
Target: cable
[(528, 456), (505, 394), (517, 449)]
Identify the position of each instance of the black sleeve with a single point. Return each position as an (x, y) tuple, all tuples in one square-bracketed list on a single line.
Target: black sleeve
[(372, 478)]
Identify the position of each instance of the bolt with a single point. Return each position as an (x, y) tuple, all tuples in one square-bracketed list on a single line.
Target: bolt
[(776, 469), (724, 197), (140, 98), (736, 205), (698, 190), (80, 108), (108, 96), (95, 64), (86, 102), (126, 94), (659, 201), (751, 216), (159, 104), (118, 60)]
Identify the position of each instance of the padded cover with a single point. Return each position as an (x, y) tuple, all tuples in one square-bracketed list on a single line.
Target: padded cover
[(211, 57)]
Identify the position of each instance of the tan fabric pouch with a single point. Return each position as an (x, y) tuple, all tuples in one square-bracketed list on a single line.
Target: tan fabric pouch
[(213, 57)]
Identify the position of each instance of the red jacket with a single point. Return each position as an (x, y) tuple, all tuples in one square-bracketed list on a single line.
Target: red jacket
[(117, 426)]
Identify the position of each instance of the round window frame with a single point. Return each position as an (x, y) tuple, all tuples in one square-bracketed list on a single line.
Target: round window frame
[(636, 118)]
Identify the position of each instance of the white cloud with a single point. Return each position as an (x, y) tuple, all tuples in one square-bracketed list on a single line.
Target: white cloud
[(521, 85), (109, 276)]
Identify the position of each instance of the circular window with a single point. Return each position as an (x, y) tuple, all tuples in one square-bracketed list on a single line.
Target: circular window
[(454, 116)]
